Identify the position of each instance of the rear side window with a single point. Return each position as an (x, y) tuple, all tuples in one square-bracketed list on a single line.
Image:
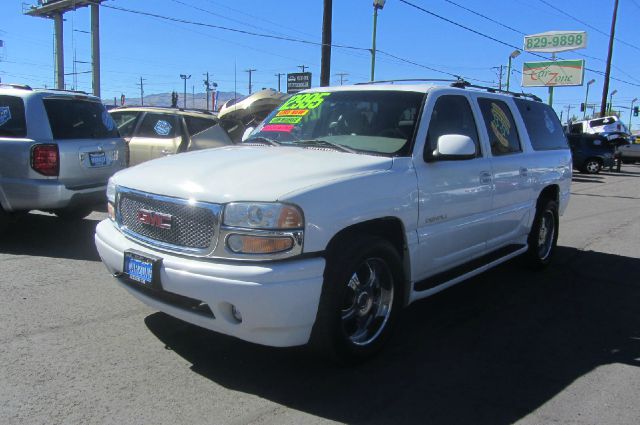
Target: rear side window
[(72, 118), (125, 121), (503, 134), (195, 125), (12, 121), (158, 126), (543, 125)]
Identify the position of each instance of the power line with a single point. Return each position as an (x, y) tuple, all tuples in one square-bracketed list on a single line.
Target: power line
[(497, 40), (587, 24), (236, 30)]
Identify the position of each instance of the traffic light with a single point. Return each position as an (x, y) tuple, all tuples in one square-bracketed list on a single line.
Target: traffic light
[(582, 107), (636, 110)]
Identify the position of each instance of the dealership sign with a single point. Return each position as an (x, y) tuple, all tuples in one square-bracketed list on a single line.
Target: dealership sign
[(553, 73), (555, 41), (298, 81)]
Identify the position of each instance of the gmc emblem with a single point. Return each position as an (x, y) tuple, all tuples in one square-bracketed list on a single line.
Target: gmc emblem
[(155, 219)]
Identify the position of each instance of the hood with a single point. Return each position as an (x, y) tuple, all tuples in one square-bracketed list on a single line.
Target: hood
[(245, 173)]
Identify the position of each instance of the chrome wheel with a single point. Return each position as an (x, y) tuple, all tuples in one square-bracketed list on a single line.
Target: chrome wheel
[(592, 166), (546, 234), (368, 301)]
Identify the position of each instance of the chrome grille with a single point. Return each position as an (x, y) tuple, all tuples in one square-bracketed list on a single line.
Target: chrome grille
[(192, 228)]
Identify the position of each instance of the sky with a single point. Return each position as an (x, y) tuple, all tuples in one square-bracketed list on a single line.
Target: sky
[(134, 45)]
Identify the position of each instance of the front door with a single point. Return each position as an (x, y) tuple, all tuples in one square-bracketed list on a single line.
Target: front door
[(455, 195)]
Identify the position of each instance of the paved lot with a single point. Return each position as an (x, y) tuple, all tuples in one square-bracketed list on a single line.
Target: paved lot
[(559, 346)]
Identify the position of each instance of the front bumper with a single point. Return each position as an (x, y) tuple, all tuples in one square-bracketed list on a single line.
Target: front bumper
[(278, 300), (33, 194)]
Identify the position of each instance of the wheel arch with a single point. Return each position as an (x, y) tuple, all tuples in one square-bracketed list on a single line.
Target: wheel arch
[(389, 228), (551, 191)]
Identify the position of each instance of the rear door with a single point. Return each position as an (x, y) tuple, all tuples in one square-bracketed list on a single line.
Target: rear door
[(157, 135), (511, 165), (90, 148)]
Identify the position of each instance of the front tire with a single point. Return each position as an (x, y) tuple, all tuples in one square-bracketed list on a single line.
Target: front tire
[(592, 166), (361, 296), (543, 236)]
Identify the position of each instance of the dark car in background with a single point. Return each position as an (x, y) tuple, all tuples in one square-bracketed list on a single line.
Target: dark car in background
[(591, 152)]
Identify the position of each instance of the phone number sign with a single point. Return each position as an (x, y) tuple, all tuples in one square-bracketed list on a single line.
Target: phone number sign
[(553, 73), (555, 41)]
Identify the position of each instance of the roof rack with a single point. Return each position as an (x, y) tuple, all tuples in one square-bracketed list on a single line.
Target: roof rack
[(202, 111), (464, 84), (16, 86), (402, 80), (68, 91)]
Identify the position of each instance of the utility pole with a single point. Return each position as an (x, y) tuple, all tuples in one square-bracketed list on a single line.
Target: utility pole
[(250, 71), (607, 72), (325, 61), (278, 75), (342, 75), (303, 67), (185, 77), (141, 84), (207, 87), (500, 78), (569, 112)]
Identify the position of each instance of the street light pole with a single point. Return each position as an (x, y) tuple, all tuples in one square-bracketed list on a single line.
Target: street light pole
[(586, 99), (611, 101), (185, 78), (513, 55), (377, 4), (631, 112)]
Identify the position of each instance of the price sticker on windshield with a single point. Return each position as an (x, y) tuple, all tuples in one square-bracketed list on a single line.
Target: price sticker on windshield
[(305, 101)]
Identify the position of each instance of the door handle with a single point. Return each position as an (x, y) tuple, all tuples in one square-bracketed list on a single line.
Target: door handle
[(524, 172), (166, 152), (485, 177)]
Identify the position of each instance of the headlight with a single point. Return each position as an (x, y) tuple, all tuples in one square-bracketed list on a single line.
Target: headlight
[(111, 199), (263, 229), (111, 191), (263, 215)]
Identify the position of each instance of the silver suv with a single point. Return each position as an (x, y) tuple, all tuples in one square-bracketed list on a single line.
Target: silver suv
[(57, 151)]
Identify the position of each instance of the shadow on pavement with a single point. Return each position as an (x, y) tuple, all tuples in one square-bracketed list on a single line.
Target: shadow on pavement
[(490, 350), (46, 235)]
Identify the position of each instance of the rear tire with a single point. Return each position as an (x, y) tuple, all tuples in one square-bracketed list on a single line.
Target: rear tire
[(72, 214), (543, 236), (361, 296)]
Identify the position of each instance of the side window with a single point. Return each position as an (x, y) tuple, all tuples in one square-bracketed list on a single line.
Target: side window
[(195, 125), (451, 115), (126, 122), (542, 124), (503, 134), (12, 121), (161, 126)]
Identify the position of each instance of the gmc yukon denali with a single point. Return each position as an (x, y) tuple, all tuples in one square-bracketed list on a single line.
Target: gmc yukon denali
[(343, 206)]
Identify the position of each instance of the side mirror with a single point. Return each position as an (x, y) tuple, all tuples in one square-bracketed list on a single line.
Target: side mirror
[(454, 147), (247, 133)]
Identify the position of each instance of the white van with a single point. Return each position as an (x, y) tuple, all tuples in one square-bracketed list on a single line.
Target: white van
[(599, 125)]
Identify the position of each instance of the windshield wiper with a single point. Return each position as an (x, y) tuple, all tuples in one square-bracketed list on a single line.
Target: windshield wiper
[(262, 139), (324, 143)]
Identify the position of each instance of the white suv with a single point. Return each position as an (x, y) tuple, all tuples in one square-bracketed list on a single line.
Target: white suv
[(345, 205)]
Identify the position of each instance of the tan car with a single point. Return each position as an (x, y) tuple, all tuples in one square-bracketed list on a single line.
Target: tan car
[(154, 132)]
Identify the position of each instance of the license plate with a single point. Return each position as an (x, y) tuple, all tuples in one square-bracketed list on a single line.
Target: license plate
[(142, 268), (97, 159)]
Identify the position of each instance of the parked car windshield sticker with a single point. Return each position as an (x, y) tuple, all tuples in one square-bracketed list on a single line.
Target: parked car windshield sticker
[(108, 121), (296, 108), (278, 127), (162, 128), (548, 122), (500, 125), (5, 115)]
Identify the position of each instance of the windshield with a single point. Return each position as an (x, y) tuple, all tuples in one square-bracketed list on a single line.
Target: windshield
[(377, 122)]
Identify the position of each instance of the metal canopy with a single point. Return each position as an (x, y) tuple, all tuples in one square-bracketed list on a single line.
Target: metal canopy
[(50, 8)]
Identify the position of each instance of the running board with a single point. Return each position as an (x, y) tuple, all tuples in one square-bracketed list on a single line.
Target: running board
[(478, 265)]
